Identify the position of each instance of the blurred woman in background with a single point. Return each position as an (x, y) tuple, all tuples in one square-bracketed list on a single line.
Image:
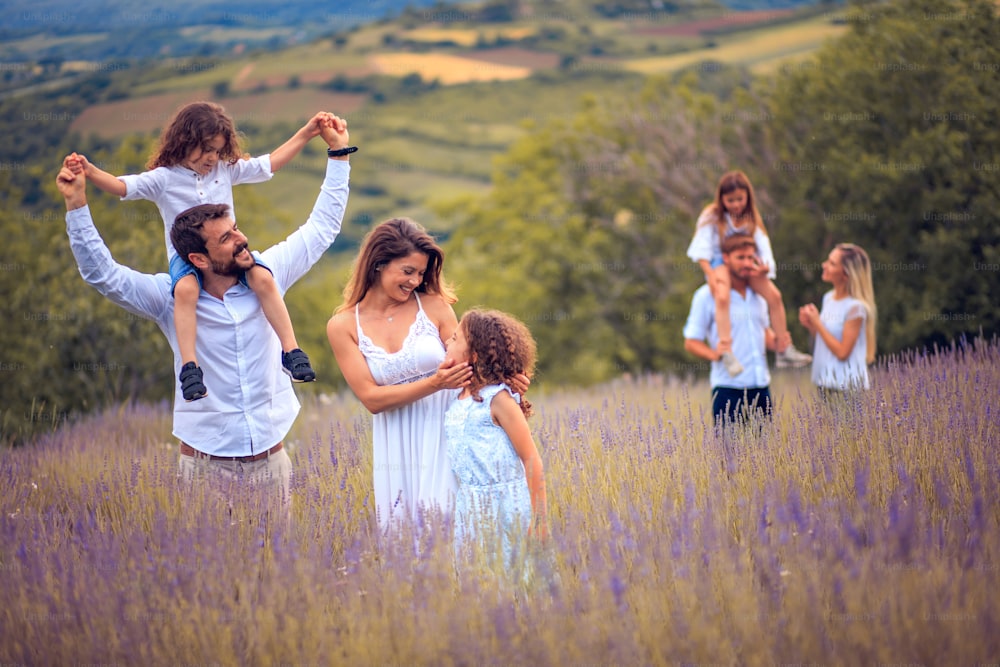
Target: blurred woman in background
[(844, 329)]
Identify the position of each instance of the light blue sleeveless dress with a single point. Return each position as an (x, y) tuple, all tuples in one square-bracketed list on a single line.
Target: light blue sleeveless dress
[(410, 463), (493, 504)]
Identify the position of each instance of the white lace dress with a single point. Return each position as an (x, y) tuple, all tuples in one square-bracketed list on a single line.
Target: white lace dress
[(410, 461)]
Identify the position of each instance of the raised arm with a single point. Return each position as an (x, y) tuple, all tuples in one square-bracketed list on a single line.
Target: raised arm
[(293, 257), (72, 183), (284, 153), (142, 294), (102, 179)]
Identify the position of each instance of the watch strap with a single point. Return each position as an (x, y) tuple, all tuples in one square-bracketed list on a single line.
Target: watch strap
[(340, 152)]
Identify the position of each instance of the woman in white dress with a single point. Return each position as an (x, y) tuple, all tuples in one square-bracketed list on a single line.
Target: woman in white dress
[(845, 327), (388, 337)]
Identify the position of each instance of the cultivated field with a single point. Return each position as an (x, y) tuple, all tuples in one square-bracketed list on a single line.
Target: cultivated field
[(855, 533), (423, 148), (150, 114), (729, 20), (755, 49), (466, 37), (259, 83), (445, 68)]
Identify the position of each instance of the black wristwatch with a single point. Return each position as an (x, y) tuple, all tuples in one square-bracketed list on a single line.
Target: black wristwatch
[(341, 152)]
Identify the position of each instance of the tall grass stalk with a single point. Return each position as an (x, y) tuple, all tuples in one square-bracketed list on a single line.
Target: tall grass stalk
[(855, 532)]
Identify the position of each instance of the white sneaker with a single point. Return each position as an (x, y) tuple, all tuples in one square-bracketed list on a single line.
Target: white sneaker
[(792, 358), (731, 364)]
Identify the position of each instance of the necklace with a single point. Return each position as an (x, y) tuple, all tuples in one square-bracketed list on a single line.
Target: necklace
[(388, 318), (384, 315)]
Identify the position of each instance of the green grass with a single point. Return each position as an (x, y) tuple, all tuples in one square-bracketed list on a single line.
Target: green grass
[(316, 58), (212, 33), (189, 76), (41, 43)]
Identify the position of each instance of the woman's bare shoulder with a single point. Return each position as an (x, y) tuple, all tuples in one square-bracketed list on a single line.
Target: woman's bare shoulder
[(436, 305), (342, 323)]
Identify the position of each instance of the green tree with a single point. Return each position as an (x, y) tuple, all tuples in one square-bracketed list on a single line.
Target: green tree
[(585, 231), (889, 139), (69, 350)]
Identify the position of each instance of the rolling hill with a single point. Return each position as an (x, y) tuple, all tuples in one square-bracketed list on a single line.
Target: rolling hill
[(433, 94), (378, 73), (118, 29)]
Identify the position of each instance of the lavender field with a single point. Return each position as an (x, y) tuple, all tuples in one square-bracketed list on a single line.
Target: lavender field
[(864, 534)]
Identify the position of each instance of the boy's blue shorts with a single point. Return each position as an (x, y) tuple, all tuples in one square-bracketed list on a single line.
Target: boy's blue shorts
[(181, 267)]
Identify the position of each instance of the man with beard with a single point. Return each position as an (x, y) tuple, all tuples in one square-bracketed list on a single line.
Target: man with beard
[(235, 434), (734, 398)]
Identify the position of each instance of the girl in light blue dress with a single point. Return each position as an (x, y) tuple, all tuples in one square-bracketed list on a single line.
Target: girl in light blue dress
[(501, 481)]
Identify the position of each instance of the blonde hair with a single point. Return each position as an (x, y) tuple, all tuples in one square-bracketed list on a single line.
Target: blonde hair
[(858, 268)]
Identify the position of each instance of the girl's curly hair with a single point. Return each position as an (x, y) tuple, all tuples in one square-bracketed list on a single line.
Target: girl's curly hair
[(500, 347), (192, 127)]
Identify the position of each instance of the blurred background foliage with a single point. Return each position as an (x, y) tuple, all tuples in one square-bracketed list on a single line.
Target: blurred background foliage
[(886, 137)]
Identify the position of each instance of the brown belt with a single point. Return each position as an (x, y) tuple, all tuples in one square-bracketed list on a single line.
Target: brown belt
[(188, 450)]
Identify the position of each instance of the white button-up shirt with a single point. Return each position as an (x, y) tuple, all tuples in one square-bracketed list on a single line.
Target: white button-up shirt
[(176, 189), (250, 405), (749, 320)]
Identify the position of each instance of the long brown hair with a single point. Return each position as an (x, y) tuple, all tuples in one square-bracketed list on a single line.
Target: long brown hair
[(501, 346), (193, 126), (858, 268), (389, 240), (730, 181)]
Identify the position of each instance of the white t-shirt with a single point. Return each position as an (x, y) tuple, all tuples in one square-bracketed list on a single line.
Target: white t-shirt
[(827, 370), (706, 243)]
